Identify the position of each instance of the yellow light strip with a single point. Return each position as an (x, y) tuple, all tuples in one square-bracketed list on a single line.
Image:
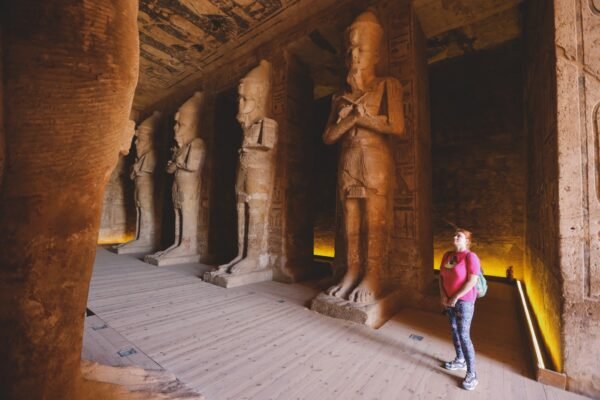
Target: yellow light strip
[(538, 352)]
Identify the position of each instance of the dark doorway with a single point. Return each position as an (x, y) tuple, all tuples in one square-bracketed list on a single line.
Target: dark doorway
[(223, 240), (324, 181)]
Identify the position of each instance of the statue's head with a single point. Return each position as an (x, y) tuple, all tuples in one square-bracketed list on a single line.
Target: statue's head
[(187, 119), (363, 40), (145, 133), (253, 94), (126, 137)]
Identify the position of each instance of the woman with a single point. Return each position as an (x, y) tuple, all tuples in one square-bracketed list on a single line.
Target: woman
[(459, 273)]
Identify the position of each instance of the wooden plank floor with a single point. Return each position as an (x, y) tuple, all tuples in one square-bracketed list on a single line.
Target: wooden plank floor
[(260, 342)]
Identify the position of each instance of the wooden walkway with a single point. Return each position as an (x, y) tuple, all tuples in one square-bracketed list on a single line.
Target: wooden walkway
[(261, 342)]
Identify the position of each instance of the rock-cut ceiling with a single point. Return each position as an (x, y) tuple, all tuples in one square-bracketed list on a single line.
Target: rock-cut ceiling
[(179, 39)]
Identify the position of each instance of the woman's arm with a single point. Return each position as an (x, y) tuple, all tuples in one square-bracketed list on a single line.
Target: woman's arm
[(469, 284), (443, 295)]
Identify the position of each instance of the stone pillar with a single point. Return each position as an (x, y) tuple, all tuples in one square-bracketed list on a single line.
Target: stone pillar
[(577, 47), (411, 256), (291, 236), (70, 70)]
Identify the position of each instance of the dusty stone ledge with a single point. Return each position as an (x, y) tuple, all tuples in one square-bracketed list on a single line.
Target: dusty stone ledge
[(228, 280), (373, 314)]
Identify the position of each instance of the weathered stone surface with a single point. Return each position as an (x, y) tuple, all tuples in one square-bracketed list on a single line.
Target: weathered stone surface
[(64, 127), (577, 46), (562, 94)]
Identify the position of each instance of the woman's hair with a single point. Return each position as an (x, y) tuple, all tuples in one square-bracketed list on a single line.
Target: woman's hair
[(468, 235)]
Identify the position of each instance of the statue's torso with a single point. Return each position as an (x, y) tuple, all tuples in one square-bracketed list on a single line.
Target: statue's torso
[(366, 160), (257, 150), (186, 185)]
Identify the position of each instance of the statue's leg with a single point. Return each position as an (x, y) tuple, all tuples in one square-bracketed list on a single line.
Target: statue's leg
[(138, 222), (177, 240), (351, 209), (257, 212), (376, 220), (241, 229)]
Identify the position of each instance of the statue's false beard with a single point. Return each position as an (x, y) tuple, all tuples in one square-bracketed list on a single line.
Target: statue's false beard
[(246, 119), (354, 79)]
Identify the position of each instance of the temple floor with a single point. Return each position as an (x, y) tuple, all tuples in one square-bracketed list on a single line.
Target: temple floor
[(261, 342)]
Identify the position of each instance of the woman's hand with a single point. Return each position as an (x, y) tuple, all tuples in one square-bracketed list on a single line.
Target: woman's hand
[(451, 302)]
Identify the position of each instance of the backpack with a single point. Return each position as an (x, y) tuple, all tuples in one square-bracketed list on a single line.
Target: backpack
[(481, 285)]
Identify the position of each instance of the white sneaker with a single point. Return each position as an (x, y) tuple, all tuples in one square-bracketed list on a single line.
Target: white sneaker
[(470, 381)]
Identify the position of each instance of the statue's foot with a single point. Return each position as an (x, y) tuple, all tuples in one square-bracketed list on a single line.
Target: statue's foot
[(244, 266), (366, 292), (342, 289)]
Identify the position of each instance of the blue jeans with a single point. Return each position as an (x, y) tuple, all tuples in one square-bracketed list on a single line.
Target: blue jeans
[(460, 323)]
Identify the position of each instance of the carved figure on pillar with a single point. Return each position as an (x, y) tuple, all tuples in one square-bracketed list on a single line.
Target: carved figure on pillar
[(186, 164), (362, 118), (142, 173), (256, 172)]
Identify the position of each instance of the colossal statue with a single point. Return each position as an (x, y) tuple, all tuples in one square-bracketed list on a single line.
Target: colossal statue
[(362, 118), (256, 172), (142, 173), (186, 164)]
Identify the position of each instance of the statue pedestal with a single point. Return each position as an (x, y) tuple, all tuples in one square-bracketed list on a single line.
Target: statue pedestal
[(227, 280), (174, 260), (371, 314), (133, 248)]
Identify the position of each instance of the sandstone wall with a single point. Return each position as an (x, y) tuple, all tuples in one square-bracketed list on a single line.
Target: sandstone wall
[(479, 164), (542, 273), (577, 47)]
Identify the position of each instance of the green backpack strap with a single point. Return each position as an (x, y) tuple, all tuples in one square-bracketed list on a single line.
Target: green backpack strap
[(481, 285)]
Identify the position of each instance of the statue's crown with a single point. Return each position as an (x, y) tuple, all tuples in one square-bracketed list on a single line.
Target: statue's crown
[(366, 20), (259, 74), (193, 103), (150, 124)]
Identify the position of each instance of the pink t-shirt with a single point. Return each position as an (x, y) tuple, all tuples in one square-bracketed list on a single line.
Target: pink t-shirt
[(455, 269)]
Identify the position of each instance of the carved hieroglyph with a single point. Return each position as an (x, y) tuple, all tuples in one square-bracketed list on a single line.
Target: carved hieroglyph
[(255, 175), (361, 119), (142, 173), (186, 164)]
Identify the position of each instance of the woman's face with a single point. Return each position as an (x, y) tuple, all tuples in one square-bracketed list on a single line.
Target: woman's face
[(460, 240)]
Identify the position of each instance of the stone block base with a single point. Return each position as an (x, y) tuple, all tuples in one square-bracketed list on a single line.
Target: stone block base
[(229, 280), (166, 260), (373, 314), (134, 249)]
